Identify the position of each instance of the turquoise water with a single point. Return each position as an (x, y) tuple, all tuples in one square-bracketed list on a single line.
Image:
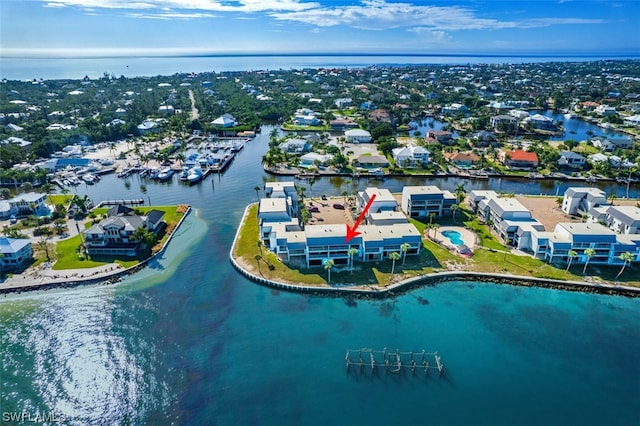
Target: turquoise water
[(188, 341), (454, 236)]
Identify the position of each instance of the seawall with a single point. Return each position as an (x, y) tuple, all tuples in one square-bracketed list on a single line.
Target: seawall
[(369, 291), (104, 279)]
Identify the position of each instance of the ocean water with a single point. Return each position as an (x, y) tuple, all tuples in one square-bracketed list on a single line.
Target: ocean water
[(189, 341), (25, 68)]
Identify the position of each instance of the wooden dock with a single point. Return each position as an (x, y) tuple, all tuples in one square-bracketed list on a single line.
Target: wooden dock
[(368, 360), (131, 202)]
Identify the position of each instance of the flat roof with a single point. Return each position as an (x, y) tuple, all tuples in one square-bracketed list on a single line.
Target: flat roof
[(424, 189), (382, 194), (272, 205), (577, 228), (400, 230), (388, 214), (509, 204)]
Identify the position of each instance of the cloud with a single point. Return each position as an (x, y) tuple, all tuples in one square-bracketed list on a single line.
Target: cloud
[(366, 14), (381, 15), (247, 6)]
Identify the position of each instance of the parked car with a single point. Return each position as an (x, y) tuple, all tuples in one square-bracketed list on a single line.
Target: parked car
[(338, 206)]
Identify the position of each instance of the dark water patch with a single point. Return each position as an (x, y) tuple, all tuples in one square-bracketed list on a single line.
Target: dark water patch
[(421, 300), (275, 292), (350, 302), (387, 309)]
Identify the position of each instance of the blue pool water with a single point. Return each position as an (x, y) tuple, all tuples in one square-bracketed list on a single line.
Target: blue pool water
[(454, 237)]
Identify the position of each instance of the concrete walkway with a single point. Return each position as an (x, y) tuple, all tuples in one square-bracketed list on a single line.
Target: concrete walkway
[(44, 275)]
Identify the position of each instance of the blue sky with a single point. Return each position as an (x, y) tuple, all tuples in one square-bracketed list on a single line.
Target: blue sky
[(136, 27)]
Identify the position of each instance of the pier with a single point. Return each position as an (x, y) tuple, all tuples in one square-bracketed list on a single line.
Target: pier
[(131, 202), (368, 360)]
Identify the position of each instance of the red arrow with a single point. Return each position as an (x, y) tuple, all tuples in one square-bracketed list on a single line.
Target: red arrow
[(351, 232)]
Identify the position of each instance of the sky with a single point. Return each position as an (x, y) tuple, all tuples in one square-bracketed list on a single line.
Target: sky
[(198, 27)]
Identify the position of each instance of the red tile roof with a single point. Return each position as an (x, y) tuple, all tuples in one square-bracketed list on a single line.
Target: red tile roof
[(520, 155)]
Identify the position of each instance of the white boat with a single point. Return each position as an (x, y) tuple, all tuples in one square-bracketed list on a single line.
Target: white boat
[(89, 179), (184, 174), (165, 174), (195, 175)]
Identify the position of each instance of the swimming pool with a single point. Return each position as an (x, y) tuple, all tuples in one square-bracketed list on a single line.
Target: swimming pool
[(454, 236)]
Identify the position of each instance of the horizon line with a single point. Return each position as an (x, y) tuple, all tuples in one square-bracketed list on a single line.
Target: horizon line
[(75, 54)]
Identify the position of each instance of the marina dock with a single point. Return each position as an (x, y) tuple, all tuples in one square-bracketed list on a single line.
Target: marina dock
[(367, 360)]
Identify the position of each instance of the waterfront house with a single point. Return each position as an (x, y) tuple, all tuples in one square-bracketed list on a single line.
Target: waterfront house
[(295, 146), (225, 121), (305, 120), (462, 159), (519, 159), (455, 108), (605, 110), (357, 136), (579, 201), (313, 158), (115, 235), (609, 145), (504, 123), (633, 120), (342, 123), (623, 219), (370, 161), (571, 159), (422, 201), (148, 126), (29, 203), (440, 136), (410, 156), (16, 253), (541, 122), (380, 116)]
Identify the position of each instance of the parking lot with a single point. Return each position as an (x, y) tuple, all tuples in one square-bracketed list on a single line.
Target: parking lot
[(326, 213)]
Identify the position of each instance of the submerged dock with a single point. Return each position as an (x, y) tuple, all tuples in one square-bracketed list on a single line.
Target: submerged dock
[(368, 360)]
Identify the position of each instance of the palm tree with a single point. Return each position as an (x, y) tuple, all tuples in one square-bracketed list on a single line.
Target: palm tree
[(589, 253), (258, 258), (257, 189), (460, 191), (435, 227), (328, 264), (627, 257), (454, 209), (352, 252), (404, 248), (259, 243), (572, 255), (394, 256), (431, 216)]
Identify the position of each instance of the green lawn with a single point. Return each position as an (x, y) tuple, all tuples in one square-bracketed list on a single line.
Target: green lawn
[(67, 250), (56, 199), (490, 257)]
